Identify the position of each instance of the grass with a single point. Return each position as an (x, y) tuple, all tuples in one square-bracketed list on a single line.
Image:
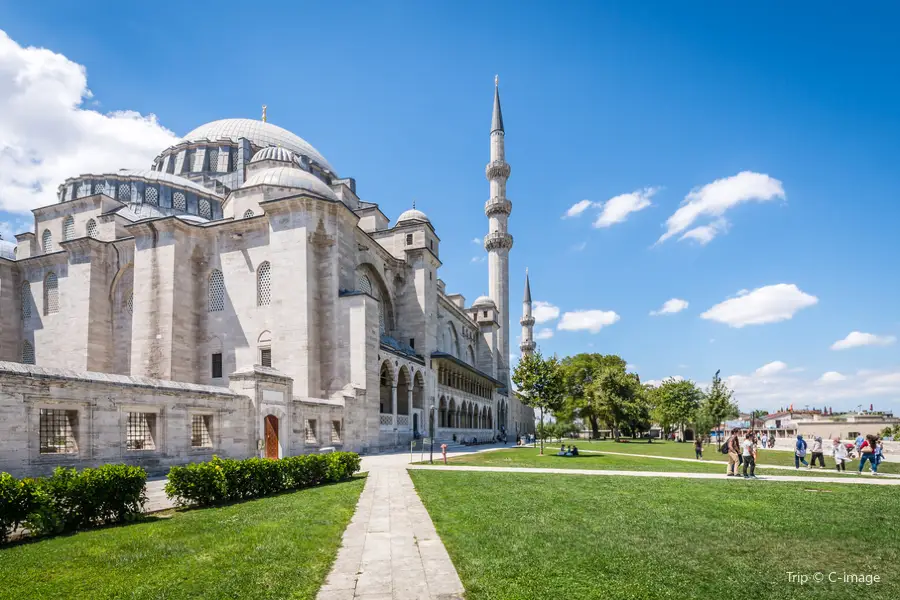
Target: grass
[(521, 536), (277, 547), (529, 457)]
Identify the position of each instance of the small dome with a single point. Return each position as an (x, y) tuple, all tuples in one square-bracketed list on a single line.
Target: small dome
[(291, 178), (274, 153), (413, 215), (483, 301), (7, 249)]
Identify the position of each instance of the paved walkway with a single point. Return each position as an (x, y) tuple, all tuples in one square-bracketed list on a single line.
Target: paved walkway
[(679, 475)]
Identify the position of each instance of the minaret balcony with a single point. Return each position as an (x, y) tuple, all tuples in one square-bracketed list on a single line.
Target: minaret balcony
[(526, 321), (497, 169), (497, 206), (527, 347), (498, 240)]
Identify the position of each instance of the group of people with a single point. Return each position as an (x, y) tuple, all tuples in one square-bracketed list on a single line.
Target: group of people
[(567, 451), (742, 453)]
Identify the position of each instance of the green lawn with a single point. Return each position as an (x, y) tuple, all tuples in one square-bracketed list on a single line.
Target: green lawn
[(278, 547), (530, 457), (521, 536)]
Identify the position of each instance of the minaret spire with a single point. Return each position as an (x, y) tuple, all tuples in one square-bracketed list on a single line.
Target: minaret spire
[(527, 321), (497, 118)]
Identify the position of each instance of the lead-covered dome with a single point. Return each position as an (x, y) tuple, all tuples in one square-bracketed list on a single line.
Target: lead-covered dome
[(412, 215), (260, 133), (276, 153), (483, 301), (290, 177)]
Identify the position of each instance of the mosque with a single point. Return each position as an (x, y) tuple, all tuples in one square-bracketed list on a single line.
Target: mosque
[(239, 298)]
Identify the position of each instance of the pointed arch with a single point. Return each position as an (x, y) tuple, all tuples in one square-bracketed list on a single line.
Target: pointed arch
[(47, 241), (470, 355), (370, 281), (51, 294), (442, 412), (91, 228), (68, 228), (386, 384), (264, 284), (419, 390), (27, 300), (404, 385)]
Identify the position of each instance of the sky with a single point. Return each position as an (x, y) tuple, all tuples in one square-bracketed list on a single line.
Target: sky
[(696, 186)]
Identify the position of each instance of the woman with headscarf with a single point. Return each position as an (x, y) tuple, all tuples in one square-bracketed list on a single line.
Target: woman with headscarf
[(800, 452), (818, 453)]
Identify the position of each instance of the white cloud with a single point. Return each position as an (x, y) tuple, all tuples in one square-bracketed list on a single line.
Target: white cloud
[(46, 134), (544, 311), (543, 334), (579, 247), (658, 382), (616, 209), (714, 199), (771, 368), (477, 241), (587, 320), (832, 377), (9, 229), (768, 304), (478, 259), (670, 307), (855, 339), (576, 209)]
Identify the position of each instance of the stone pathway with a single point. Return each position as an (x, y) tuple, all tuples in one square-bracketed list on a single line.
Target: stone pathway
[(861, 480), (390, 550)]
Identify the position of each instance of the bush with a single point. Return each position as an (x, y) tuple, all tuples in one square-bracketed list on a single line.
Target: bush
[(227, 480), (70, 500)]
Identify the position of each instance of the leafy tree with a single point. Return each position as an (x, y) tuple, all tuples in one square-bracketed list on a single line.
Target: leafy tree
[(677, 403), (718, 405), (617, 398), (540, 384), (580, 372)]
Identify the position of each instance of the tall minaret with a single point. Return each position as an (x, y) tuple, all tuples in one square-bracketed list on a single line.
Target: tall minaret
[(498, 242), (527, 321)]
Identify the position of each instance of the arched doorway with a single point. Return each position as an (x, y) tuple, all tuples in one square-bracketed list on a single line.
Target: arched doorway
[(271, 436), (416, 424)]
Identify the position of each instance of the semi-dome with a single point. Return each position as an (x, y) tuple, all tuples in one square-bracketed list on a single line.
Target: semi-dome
[(413, 215), (290, 177), (274, 153), (7, 249), (260, 133), (483, 301)]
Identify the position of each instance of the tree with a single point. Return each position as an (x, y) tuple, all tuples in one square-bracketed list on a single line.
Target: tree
[(677, 403), (579, 372), (540, 384), (718, 404), (616, 397)]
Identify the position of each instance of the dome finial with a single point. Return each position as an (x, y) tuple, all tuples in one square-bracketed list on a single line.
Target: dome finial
[(264, 113), (414, 205), (496, 80)]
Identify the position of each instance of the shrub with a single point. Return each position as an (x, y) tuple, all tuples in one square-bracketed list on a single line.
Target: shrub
[(18, 499), (227, 480)]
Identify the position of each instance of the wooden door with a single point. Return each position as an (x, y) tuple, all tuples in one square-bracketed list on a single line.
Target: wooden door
[(271, 436)]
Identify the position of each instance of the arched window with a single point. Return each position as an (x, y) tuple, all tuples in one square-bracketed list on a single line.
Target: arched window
[(84, 189), (26, 301), (248, 214), (470, 355), (364, 284), (216, 297), (47, 241), (213, 156), (125, 192), (51, 294), (129, 302), (27, 353), (205, 210), (179, 202), (92, 228), (68, 228), (100, 188), (263, 285), (151, 196)]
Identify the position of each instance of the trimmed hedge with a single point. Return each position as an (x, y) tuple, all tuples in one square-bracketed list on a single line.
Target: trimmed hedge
[(227, 480), (71, 499)]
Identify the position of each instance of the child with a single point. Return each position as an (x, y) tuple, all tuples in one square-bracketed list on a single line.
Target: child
[(839, 451), (698, 448)]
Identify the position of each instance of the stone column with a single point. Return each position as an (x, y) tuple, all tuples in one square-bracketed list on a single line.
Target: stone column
[(409, 408)]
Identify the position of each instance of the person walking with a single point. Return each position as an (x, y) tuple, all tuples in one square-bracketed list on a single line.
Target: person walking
[(867, 453), (698, 448), (765, 440), (748, 453), (839, 451), (879, 452), (800, 452), (733, 446), (818, 453)]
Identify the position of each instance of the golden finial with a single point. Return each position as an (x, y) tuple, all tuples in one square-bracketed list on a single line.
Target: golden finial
[(264, 113)]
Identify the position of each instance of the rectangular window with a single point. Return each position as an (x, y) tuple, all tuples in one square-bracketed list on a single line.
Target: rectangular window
[(335, 432), (484, 313), (412, 343), (217, 365), (140, 431), (432, 244), (201, 431), (409, 239), (58, 429), (311, 431), (265, 357)]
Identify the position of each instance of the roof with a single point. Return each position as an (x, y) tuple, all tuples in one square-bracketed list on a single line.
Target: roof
[(469, 367), (497, 117), (259, 133), (483, 301), (274, 153), (291, 177), (527, 288), (150, 175), (412, 215)]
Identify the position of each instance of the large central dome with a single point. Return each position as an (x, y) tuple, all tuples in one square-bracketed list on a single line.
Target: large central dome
[(259, 133)]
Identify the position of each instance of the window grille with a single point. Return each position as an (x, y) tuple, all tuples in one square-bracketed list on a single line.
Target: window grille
[(205, 210), (51, 294), (125, 192), (216, 291), (27, 354), (68, 228), (151, 196), (409, 239), (201, 425), (248, 214), (213, 154), (217, 365), (26, 300), (129, 302), (179, 201), (263, 285), (233, 161), (335, 432), (311, 431), (92, 228), (364, 284), (47, 241), (265, 357), (140, 431), (100, 187), (381, 326), (57, 431)]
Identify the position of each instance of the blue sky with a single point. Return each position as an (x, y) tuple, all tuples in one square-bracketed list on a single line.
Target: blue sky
[(600, 100)]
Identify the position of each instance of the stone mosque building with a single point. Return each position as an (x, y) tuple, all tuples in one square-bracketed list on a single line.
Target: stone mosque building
[(238, 298)]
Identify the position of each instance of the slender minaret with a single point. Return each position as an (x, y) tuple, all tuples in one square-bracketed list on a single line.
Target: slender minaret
[(527, 321), (498, 242)]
